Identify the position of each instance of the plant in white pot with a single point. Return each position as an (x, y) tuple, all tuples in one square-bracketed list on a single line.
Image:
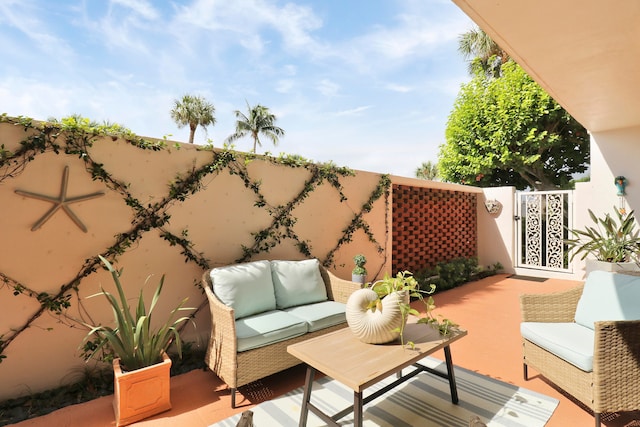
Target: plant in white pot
[(141, 367), (378, 314), (359, 272), (614, 244)]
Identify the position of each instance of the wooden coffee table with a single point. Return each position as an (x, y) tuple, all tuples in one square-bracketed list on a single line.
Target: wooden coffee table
[(341, 356)]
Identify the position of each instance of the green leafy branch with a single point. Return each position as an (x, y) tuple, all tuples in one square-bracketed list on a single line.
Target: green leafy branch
[(187, 248), (358, 222)]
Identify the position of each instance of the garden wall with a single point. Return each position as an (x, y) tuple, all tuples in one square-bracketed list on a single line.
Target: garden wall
[(69, 194), (432, 224)]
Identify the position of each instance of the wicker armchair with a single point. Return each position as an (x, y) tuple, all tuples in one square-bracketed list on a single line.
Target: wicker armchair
[(614, 383), (237, 369)]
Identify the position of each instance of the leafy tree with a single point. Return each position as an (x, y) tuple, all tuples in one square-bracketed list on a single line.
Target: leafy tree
[(193, 111), (427, 170), (509, 131), (482, 52), (258, 121)]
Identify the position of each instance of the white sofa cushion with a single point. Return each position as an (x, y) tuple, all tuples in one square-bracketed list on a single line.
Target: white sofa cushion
[(608, 296), (569, 341), (247, 288), (320, 315), (268, 328), (297, 283)]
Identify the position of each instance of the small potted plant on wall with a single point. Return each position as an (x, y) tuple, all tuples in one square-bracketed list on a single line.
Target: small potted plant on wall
[(614, 245), (359, 273), (141, 365)]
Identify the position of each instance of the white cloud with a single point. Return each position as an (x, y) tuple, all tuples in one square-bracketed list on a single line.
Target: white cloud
[(125, 21), (399, 88), (284, 85), (141, 8), (328, 88), (354, 111), (415, 34), (245, 21), (24, 17)]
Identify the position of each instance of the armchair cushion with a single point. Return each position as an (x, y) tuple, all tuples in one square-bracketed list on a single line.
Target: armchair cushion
[(247, 288), (297, 282), (320, 315), (608, 296), (569, 341), (267, 328)]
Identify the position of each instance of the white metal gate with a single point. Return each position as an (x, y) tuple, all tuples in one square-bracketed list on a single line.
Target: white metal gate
[(542, 220)]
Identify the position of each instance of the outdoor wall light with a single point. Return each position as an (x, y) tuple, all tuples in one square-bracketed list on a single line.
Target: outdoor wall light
[(493, 206)]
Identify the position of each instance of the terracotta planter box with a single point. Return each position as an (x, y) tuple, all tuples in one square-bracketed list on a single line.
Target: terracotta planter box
[(141, 393)]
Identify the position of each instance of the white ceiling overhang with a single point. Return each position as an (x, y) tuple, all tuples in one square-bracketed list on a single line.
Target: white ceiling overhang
[(584, 53)]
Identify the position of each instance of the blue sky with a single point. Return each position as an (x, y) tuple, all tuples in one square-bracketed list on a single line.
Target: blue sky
[(367, 84)]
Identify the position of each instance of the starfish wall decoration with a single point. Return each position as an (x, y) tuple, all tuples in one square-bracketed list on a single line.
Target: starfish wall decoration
[(60, 202)]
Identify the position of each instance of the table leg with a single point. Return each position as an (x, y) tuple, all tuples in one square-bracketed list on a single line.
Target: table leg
[(357, 409), (308, 384), (451, 376)]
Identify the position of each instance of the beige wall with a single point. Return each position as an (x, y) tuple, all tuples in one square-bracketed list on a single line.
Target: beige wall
[(496, 232), (613, 153), (219, 219)]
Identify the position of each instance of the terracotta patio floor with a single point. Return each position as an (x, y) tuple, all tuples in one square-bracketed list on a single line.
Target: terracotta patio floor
[(488, 309)]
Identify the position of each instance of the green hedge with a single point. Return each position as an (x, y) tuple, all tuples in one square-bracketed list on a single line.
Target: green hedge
[(448, 275)]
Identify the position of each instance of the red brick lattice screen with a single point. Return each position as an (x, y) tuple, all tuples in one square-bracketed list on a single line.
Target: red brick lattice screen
[(432, 225)]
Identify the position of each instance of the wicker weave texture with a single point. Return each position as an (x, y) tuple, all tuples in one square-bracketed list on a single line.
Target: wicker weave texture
[(573, 380), (614, 384), (616, 366), (237, 369), (553, 307)]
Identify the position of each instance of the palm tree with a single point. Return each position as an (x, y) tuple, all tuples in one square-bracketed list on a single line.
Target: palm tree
[(427, 170), (259, 121), (193, 111), (482, 51)]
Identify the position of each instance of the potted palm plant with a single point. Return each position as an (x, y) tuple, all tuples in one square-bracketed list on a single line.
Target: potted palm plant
[(141, 365), (612, 243)]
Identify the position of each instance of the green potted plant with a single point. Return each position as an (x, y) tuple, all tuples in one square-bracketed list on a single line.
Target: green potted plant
[(141, 365), (378, 313), (613, 243), (359, 273)]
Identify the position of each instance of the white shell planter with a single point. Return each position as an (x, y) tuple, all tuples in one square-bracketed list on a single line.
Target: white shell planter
[(374, 327)]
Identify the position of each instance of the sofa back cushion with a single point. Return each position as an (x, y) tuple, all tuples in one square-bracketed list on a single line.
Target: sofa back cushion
[(297, 282), (608, 296), (247, 288)]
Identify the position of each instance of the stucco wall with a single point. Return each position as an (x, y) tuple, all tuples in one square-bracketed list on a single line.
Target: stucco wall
[(217, 220), (137, 220), (613, 153), (496, 232)]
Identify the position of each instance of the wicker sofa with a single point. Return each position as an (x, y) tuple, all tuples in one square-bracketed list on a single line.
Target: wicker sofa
[(261, 307), (587, 341)]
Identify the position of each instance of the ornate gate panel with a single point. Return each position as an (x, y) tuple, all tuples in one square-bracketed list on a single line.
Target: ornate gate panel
[(543, 218)]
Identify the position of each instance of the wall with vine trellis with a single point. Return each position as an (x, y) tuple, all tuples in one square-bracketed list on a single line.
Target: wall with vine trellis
[(70, 192)]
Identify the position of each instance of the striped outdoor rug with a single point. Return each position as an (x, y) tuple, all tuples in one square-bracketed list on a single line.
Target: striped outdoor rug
[(422, 401)]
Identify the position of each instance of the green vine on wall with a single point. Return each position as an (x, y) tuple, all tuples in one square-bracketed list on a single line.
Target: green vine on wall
[(78, 136), (281, 226), (383, 188)]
